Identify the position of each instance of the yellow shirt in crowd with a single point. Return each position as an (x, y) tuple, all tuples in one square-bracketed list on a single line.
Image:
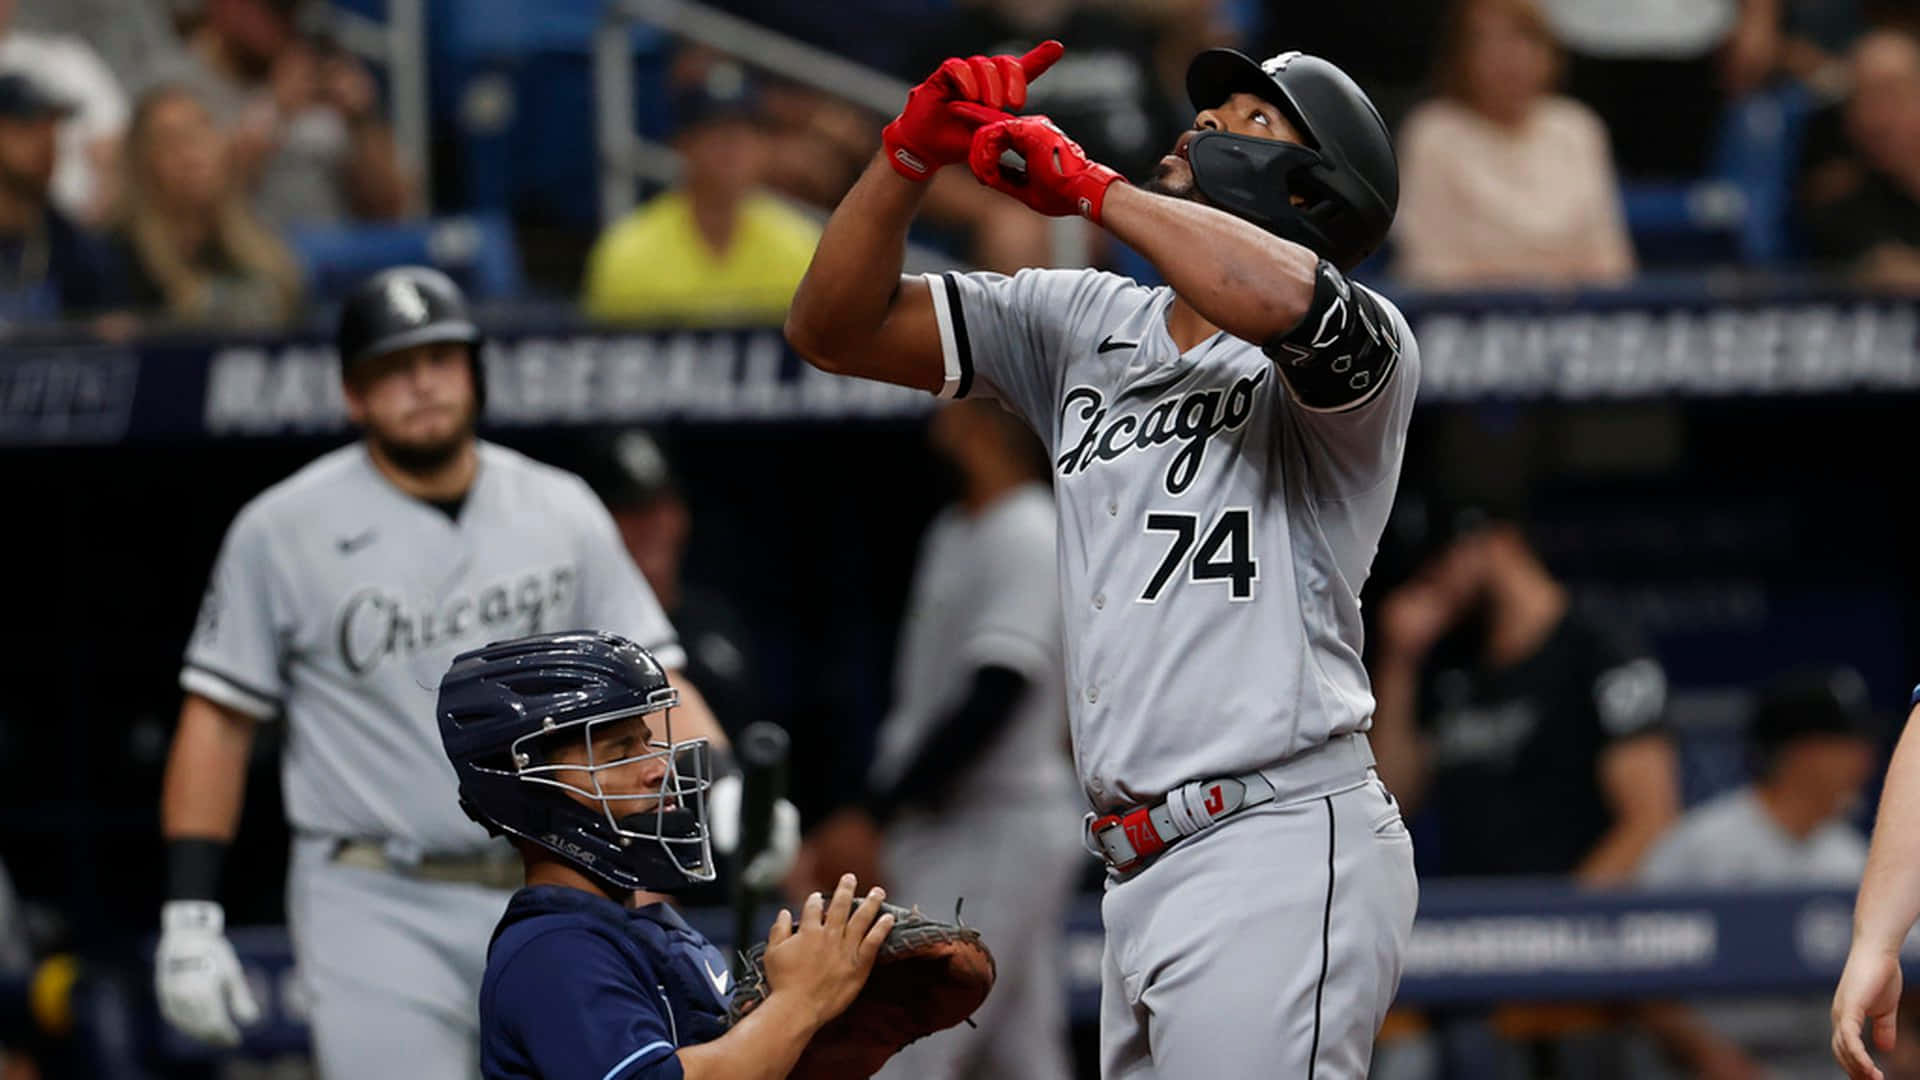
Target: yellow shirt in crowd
[(653, 265)]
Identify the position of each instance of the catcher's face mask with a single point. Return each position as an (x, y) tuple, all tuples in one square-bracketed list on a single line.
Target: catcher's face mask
[(648, 791)]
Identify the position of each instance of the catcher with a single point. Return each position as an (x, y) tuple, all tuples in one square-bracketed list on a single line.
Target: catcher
[(564, 742)]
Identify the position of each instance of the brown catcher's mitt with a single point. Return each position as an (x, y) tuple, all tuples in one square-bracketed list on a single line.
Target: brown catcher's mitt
[(929, 976)]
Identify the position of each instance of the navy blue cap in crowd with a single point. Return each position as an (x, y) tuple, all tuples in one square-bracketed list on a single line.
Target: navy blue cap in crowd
[(724, 93), (21, 98)]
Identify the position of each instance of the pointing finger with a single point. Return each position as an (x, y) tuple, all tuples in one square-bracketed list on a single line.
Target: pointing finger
[(1041, 57)]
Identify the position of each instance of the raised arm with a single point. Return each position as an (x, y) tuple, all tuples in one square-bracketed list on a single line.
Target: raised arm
[(1239, 277), (854, 314)]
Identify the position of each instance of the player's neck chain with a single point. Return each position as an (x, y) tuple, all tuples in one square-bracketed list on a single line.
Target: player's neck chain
[(1192, 418)]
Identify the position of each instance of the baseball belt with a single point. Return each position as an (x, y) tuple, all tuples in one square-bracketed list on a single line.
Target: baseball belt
[(1130, 839), (494, 870)]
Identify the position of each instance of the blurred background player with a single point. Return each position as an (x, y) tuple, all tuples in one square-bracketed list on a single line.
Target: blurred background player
[(338, 596), (972, 795), (1522, 737), (636, 480), (565, 743), (1813, 741)]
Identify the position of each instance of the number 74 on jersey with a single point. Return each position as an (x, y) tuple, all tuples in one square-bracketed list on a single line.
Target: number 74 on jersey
[(1222, 554)]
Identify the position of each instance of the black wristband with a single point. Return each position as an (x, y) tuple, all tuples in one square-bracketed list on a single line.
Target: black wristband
[(193, 868)]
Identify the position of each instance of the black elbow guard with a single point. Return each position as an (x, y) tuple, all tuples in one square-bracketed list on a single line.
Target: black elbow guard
[(1343, 352)]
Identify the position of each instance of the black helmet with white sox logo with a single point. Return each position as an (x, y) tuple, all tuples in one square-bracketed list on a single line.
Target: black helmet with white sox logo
[(401, 307), (1346, 177)]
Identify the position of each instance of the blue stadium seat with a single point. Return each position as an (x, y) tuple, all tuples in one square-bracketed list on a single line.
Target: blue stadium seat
[(1741, 208), (478, 251)]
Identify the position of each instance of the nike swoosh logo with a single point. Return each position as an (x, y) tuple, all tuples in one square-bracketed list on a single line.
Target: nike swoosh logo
[(1109, 345), (350, 544), (720, 978)]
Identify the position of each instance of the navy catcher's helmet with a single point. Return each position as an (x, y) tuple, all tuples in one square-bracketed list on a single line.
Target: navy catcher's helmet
[(405, 306), (510, 710), (1346, 174)]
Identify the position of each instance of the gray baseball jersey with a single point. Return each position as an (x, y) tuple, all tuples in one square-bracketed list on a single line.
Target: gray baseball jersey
[(1732, 841), (1215, 528), (985, 591), (338, 602)]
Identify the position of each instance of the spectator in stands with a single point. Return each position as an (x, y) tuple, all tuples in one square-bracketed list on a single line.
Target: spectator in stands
[(1503, 181), (716, 248), (1813, 738), (130, 36), (1532, 738), (49, 269), (636, 482), (303, 116), (1521, 738), (88, 162), (195, 251), (1660, 72), (1874, 227)]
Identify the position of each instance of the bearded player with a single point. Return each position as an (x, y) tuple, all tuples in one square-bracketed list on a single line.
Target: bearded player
[(1226, 449)]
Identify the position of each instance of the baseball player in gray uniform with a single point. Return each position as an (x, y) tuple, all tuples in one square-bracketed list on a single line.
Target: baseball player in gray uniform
[(339, 597), (1225, 449), (971, 781)]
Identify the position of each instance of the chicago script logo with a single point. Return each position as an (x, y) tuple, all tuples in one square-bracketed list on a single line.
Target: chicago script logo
[(376, 624), (1191, 419)]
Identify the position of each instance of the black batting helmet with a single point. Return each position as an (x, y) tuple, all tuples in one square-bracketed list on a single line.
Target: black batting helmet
[(1346, 175), (405, 306)]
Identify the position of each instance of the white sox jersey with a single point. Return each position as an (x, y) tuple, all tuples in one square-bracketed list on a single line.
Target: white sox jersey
[(985, 592), (1219, 510), (338, 601)]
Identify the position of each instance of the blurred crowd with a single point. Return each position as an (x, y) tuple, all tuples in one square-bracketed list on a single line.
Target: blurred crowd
[(159, 155), (154, 156), (1523, 127)]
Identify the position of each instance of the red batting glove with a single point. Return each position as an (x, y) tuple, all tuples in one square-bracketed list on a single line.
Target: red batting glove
[(1060, 180), (930, 133)]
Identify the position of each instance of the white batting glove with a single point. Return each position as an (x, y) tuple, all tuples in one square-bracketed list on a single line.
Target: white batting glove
[(202, 990), (770, 867)]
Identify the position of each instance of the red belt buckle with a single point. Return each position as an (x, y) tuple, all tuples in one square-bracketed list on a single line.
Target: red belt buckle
[(1141, 835)]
